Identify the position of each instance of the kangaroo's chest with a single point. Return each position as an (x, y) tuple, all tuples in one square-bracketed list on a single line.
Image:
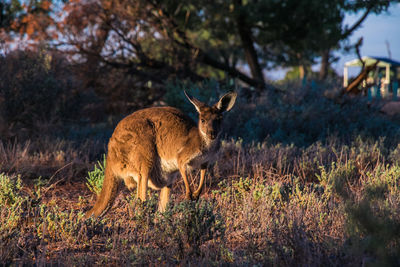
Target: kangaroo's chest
[(200, 159), (193, 161), (169, 168), (206, 156)]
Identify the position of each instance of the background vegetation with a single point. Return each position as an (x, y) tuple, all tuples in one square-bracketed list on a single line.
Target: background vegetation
[(305, 176)]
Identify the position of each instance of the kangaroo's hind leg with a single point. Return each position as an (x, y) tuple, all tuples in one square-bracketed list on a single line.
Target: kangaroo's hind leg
[(142, 164), (164, 198), (143, 180)]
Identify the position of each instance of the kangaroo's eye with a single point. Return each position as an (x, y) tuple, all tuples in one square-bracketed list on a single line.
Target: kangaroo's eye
[(203, 121)]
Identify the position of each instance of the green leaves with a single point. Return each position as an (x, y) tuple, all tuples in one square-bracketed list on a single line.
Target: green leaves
[(96, 177)]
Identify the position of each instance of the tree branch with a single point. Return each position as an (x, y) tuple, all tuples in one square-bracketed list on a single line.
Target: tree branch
[(357, 47), (357, 23), (202, 56)]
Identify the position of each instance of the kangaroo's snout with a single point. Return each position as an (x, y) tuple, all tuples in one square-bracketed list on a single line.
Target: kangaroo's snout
[(212, 135)]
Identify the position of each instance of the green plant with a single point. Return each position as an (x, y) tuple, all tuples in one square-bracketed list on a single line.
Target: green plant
[(11, 202), (9, 190), (13, 205), (55, 224), (96, 177)]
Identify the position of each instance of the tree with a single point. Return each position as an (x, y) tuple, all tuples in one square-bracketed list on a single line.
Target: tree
[(142, 41), (144, 38), (8, 12), (25, 18), (334, 39)]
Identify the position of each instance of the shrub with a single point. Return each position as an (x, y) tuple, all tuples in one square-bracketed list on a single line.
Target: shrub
[(187, 225), (180, 231), (38, 90), (28, 87), (27, 224), (13, 206), (373, 221)]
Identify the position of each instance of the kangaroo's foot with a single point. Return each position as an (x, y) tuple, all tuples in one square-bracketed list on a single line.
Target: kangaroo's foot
[(188, 196)]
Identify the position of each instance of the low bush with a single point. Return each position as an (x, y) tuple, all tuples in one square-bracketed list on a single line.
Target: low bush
[(40, 93)]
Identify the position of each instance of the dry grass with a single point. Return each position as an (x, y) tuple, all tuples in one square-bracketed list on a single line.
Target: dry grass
[(327, 204), (49, 159)]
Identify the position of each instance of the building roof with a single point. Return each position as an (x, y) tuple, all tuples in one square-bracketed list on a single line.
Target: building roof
[(383, 62)]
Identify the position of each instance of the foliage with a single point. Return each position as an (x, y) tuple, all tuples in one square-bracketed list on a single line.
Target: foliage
[(30, 18), (181, 230), (293, 74), (9, 187), (13, 207), (11, 202), (96, 177), (9, 11), (34, 91), (374, 228), (29, 90), (296, 185), (188, 225), (134, 42)]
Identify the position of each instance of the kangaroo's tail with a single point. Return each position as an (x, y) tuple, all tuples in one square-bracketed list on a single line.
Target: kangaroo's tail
[(107, 196)]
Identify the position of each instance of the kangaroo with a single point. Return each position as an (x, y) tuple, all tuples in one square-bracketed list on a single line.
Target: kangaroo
[(151, 146)]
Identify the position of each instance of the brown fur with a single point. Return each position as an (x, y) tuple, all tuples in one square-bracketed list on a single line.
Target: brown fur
[(150, 146)]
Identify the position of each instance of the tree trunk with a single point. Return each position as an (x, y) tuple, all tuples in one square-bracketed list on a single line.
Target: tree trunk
[(323, 72), (248, 46), (302, 71), (250, 53)]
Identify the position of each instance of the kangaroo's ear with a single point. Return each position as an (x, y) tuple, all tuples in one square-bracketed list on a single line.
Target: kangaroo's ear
[(196, 103), (226, 102)]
